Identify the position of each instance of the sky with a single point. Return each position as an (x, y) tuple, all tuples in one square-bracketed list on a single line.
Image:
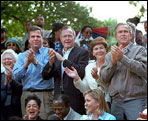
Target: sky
[(119, 10)]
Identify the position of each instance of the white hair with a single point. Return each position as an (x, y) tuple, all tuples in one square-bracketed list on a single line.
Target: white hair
[(9, 51)]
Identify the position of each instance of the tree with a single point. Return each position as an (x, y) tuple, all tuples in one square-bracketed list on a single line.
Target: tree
[(14, 14), (142, 9)]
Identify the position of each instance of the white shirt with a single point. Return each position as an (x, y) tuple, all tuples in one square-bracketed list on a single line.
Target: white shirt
[(89, 82)]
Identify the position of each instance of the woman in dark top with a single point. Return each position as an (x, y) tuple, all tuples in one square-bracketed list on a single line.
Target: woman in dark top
[(32, 105)]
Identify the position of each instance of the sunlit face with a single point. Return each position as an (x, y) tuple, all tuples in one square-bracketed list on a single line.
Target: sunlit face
[(123, 35), (99, 51), (91, 104), (13, 46), (32, 109), (60, 109), (8, 60), (35, 39), (87, 33), (67, 38)]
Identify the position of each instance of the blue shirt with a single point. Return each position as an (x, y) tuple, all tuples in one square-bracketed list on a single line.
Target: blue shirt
[(105, 116), (32, 76)]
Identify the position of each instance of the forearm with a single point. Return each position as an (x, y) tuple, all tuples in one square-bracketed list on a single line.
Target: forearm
[(81, 85), (47, 72), (135, 66)]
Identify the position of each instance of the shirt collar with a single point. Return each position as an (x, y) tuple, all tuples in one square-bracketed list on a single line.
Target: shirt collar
[(65, 118), (68, 51), (40, 50), (128, 47)]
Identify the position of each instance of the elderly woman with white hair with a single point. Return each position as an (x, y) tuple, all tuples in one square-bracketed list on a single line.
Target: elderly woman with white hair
[(10, 89)]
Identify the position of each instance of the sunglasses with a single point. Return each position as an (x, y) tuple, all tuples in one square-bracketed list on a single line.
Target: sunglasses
[(11, 44)]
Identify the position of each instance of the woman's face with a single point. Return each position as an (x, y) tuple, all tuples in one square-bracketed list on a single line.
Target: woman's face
[(90, 104), (32, 109), (8, 60), (57, 34), (99, 51), (13, 46), (87, 33)]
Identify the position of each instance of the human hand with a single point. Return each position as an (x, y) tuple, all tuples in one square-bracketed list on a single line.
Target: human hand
[(59, 57), (72, 73), (51, 54), (116, 53), (26, 117), (30, 56), (142, 116), (94, 73), (8, 76)]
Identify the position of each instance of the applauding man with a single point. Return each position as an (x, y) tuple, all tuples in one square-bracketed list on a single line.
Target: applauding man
[(69, 56), (126, 69), (29, 68)]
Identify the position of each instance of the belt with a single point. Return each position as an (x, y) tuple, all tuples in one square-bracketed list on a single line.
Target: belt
[(35, 90)]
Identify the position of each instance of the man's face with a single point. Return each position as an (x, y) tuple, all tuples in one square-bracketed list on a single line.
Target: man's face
[(67, 39), (60, 109), (35, 39), (123, 35), (40, 21)]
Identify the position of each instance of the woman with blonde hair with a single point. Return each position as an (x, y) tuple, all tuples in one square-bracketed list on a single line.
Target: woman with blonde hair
[(96, 106)]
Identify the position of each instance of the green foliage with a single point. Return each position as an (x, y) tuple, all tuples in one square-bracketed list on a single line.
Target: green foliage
[(14, 14), (142, 9)]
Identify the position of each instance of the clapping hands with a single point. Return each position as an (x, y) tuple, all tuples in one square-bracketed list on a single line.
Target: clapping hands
[(94, 73), (31, 56), (8, 76)]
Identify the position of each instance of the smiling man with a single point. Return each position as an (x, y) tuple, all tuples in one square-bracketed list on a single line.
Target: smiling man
[(29, 68), (63, 110), (69, 56), (126, 69)]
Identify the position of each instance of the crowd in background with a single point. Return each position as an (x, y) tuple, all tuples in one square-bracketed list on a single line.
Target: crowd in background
[(56, 75)]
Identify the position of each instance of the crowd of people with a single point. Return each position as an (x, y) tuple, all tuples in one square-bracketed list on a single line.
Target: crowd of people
[(56, 75)]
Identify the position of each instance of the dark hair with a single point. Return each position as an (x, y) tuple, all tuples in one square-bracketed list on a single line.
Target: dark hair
[(34, 28), (87, 26), (3, 30), (26, 45), (33, 97), (53, 117), (55, 27), (134, 20), (62, 97), (40, 15)]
